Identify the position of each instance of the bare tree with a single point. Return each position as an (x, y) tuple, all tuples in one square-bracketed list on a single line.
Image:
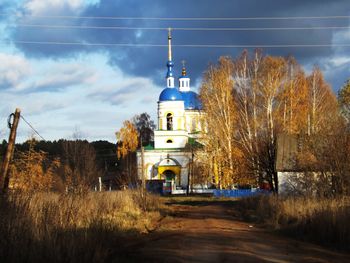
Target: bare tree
[(145, 128), (79, 167)]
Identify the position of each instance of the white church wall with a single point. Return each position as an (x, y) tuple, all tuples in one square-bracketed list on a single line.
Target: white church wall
[(162, 139), (193, 121), (176, 108), (153, 157)]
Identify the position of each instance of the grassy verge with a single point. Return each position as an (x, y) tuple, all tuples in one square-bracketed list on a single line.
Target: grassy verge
[(323, 221), (50, 227)]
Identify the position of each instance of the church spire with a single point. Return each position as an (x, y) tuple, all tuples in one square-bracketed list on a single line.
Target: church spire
[(169, 45), (169, 76), (183, 73)]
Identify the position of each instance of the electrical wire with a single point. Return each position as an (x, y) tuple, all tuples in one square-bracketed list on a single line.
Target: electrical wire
[(177, 45), (179, 28), (32, 128), (181, 18)]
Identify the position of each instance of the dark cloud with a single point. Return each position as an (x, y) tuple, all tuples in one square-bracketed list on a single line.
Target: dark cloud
[(151, 61)]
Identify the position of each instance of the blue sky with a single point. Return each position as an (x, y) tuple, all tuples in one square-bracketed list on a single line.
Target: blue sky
[(62, 89)]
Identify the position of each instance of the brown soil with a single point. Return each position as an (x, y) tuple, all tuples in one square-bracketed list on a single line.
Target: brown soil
[(209, 232)]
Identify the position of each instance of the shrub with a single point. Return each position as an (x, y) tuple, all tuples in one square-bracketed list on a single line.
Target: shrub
[(51, 227), (324, 221)]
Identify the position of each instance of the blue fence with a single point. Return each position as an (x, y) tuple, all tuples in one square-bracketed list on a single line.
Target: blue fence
[(238, 193)]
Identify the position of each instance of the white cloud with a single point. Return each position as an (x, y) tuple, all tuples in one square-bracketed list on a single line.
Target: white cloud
[(39, 7), (84, 91), (341, 36), (339, 61), (13, 69)]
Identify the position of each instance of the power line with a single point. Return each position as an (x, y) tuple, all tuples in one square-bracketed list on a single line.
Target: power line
[(183, 18), (177, 45), (32, 128), (180, 28)]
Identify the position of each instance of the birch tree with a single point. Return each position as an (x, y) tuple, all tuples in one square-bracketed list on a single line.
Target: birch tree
[(322, 104), (127, 144), (293, 108), (217, 98), (246, 100), (249, 101)]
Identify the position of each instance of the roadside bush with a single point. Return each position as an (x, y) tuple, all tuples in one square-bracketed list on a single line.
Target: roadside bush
[(324, 221), (51, 227)]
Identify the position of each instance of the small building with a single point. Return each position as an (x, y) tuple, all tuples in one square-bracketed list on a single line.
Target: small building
[(286, 160), (180, 123)]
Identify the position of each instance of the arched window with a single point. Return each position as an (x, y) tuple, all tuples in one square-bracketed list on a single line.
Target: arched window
[(169, 121), (169, 141)]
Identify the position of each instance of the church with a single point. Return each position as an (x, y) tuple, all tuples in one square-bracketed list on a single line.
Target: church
[(180, 124)]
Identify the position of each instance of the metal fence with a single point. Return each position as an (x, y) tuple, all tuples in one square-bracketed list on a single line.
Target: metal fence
[(238, 193)]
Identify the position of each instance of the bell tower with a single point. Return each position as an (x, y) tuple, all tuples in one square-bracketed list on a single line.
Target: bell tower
[(184, 80)]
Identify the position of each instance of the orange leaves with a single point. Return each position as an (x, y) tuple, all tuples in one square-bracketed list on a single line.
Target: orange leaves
[(322, 103), (250, 100), (218, 101), (32, 171), (127, 139)]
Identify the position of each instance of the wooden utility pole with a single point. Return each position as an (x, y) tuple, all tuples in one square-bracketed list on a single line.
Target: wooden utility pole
[(4, 177)]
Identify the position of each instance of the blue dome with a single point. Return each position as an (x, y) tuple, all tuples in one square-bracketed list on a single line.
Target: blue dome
[(191, 100), (170, 94)]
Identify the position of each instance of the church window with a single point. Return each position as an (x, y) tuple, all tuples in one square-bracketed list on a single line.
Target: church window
[(169, 141), (169, 121)]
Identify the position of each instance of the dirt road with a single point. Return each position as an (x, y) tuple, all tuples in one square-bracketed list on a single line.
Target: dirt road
[(207, 232)]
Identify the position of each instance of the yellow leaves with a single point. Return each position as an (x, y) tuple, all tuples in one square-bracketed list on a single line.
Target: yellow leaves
[(219, 105), (250, 100), (128, 139), (32, 171), (322, 103)]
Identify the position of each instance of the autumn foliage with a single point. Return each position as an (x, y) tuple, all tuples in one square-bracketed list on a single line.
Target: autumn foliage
[(252, 99), (127, 138), (33, 171), (62, 166)]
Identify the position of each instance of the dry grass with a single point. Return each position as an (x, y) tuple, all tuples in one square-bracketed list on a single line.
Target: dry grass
[(324, 221), (49, 227)]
